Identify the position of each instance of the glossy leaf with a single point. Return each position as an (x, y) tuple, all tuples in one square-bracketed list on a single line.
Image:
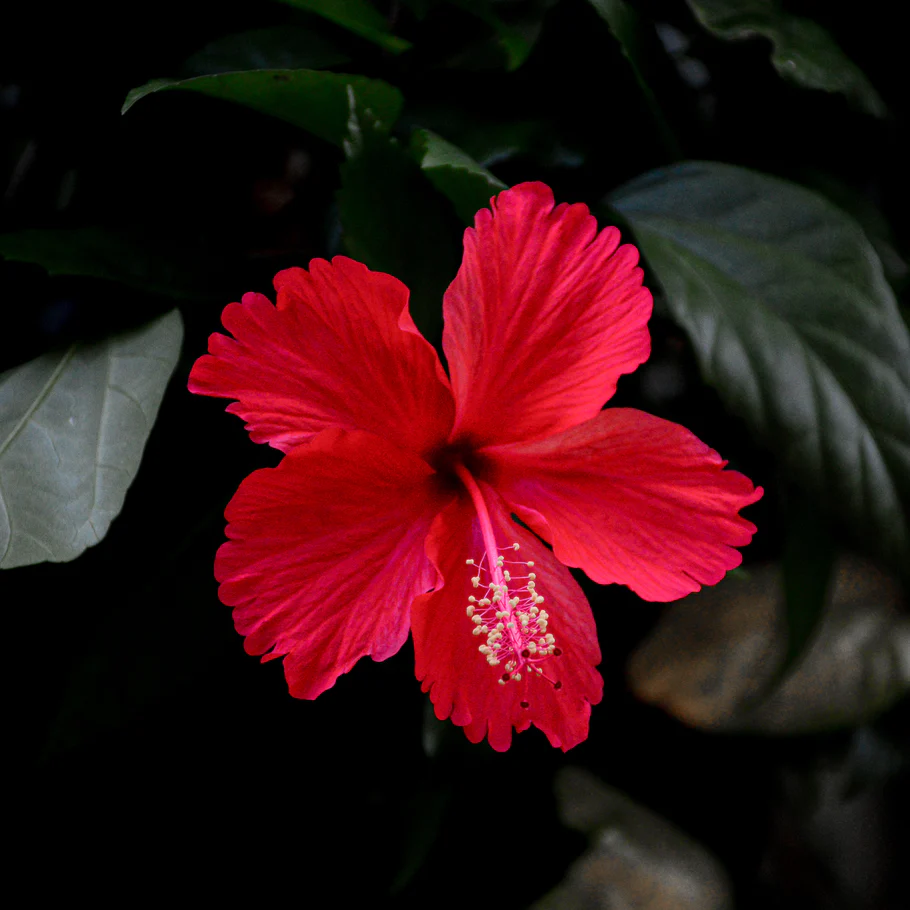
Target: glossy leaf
[(284, 47), (312, 100), (715, 658), (455, 174), (792, 321), (357, 16), (73, 426), (803, 51), (635, 858)]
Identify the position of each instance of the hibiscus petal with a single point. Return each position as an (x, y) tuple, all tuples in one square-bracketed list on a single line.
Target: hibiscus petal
[(629, 498), (544, 316), (326, 553), (339, 350), (460, 682)]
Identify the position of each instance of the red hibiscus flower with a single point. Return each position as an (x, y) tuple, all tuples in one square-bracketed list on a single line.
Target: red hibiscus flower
[(391, 510)]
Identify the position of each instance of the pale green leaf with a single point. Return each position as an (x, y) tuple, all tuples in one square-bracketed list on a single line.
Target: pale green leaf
[(73, 426)]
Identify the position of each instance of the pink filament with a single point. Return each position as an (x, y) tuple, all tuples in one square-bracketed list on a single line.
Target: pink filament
[(518, 638)]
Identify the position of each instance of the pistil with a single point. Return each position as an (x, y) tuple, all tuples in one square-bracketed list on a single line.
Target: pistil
[(508, 610)]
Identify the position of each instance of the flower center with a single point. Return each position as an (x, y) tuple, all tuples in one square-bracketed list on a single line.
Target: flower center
[(508, 615)]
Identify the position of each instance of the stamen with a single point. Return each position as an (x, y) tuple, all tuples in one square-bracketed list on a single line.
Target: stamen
[(508, 611)]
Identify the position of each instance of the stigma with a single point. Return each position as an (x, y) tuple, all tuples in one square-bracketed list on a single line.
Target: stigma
[(508, 616)]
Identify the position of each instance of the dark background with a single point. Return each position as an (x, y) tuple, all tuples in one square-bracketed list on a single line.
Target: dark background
[(147, 747)]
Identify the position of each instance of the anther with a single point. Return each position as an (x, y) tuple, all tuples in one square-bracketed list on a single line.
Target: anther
[(507, 614)]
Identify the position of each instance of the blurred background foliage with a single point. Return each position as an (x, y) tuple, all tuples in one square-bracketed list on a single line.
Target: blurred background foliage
[(752, 747)]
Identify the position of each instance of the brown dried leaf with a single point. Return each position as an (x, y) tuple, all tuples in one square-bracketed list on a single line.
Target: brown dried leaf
[(714, 658), (636, 860)]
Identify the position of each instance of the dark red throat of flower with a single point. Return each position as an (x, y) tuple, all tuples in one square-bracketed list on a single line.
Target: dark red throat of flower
[(508, 615)]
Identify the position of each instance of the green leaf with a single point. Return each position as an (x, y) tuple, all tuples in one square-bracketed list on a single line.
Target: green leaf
[(809, 555), (312, 100), (635, 858), (792, 321), (515, 40), (357, 16), (489, 141), (627, 26), (716, 659), (72, 429), (285, 47), (391, 223), (869, 217), (427, 814), (111, 255), (455, 174), (127, 665), (803, 51)]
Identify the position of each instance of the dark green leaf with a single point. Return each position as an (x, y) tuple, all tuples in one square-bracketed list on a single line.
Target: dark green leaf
[(72, 429), (626, 25), (391, 223), (128, 664), (357, 16), (427, 813), (455, 174), (514, 39), (809, 554), (803, 51), (793, 322), (102, 253), (286, 47), (313, 100), (421, 8), (489, 141), (869, 217)]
